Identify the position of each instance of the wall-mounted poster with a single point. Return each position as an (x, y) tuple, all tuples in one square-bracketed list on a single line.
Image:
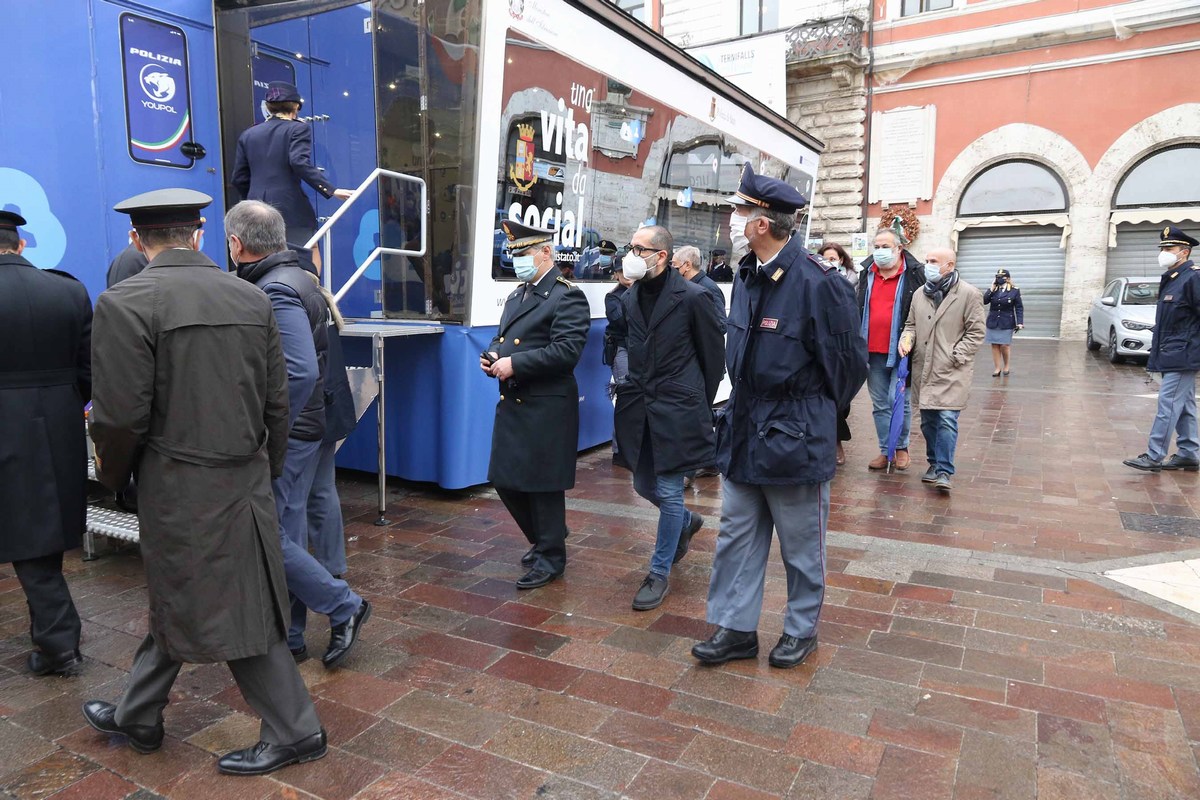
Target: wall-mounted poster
[(157, 94)]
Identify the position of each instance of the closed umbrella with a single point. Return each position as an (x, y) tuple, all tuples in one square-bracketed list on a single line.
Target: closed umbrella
[(898, 401)]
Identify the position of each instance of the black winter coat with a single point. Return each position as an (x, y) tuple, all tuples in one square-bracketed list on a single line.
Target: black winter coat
[(1176, 343), (718, 297), (535, 438), (281, 272), (1006, 310), (45, 381), (676, 361)]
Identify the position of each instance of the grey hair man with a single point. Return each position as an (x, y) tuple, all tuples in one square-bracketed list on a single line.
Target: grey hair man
[(945, 328), (258, 248), (689, 264)]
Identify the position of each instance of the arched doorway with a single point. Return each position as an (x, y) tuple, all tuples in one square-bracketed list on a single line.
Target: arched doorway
[(1013, 215), (1160, 189)]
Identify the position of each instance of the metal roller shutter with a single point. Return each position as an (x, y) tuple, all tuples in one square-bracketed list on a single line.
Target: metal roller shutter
[(1032, 256), (1136, 253)]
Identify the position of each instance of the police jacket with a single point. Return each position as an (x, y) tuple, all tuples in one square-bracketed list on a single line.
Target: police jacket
[(303, 319), (614, 332), (676, 361), (45, 380), (1006, 310), (271, 160), (794, 357), (535, 437), (1176, 343)]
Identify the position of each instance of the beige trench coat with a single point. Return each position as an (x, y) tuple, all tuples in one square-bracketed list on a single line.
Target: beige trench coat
[(945, 341)]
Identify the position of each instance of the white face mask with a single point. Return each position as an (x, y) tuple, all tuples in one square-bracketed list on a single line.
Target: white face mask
[(737, 232), (633, 267), (1166, 260)]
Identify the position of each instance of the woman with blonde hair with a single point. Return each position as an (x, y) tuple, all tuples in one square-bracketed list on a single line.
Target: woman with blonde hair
[(1006, 315)]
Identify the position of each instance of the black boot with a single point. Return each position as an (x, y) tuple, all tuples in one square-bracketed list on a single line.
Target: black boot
[(791, 651), (726, 645)]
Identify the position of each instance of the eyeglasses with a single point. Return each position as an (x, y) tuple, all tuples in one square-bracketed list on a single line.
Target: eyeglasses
[(640, 251)]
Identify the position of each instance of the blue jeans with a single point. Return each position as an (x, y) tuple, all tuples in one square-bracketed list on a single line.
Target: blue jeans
[(1176, 412), (326, 533), (940, 429), (309, 584), (881, 384), (665, 491)]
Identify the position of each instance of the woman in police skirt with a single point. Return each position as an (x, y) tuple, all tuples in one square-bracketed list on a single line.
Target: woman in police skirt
[(1005, 316)]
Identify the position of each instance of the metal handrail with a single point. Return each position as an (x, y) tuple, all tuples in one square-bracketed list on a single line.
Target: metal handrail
[(325, 231)]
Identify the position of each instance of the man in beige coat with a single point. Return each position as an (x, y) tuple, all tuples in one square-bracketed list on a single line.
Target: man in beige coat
[(946, 325)]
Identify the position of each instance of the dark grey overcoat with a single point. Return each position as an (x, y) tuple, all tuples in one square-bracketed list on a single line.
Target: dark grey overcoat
[(45, 326), (536, 435), (190, 396)]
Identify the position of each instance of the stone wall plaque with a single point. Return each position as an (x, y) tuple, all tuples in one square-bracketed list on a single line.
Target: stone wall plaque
[(902, 142)]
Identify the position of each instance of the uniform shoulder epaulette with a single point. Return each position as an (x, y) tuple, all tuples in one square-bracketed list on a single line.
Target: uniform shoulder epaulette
[(64, 274), (824, 266), (565, 282)]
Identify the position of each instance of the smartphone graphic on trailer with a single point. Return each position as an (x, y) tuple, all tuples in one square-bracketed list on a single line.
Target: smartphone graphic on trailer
[(158, 112)]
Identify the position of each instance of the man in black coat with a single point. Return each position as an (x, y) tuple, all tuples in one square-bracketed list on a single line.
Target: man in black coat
[(535, 438), (663, 415), (45, 380), (129, 262), (687, 261)]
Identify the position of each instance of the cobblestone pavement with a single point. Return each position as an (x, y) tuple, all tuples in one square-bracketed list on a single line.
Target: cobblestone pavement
[(970, 647)]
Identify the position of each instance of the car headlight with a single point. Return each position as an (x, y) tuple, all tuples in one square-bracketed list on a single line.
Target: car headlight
[(1136, 326)]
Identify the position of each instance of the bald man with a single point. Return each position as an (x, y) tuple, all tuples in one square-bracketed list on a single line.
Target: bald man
[(945, 327)]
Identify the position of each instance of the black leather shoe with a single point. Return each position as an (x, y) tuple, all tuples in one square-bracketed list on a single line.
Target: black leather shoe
[(791, 651), (1179, 462), (685, 538), (653, 589), (1143, 462), (299, 654), (65, 664), (265, 758), (726, 645), (342, 637), (530, 557), (536, 577), (103, 717)]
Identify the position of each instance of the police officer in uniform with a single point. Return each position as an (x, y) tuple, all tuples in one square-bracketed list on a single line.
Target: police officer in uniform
[(794, 358), (45, 380), (191, 396), (542, 332), (1175, 352)]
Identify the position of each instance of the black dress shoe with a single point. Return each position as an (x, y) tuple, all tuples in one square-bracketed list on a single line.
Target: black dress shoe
[(653, 589), (685, 538), (103, 717), (1143, 462), (536, 577), (726, 645), (299, 654), (65, 664), (265, 758), (791, 651), (530, 557), (342, 637), (1179, 462)]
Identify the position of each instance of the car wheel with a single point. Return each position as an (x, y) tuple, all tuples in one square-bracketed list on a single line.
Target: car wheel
[(1113, 356), (1092, 344)]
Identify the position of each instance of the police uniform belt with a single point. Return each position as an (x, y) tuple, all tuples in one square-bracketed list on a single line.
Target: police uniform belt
[(34, 379)]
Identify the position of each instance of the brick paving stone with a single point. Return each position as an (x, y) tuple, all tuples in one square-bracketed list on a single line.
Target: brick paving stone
[(620, 693), (662, 781), (650, 737), (728, 790), (769, 731), (906, 774), (965, 683), (46, 776), (536, 672), (364, 692), (877, 665), (445, 717), (917, 649), (98, 785), (560, 753), (997, 767), (822, 746), (396, 746), (741, 763), (916, 733), (399, 786), (725, 687), (1081, 747), (538, 643), (1055, 701), (1106, 686), (1055, 784), (821, 782), (337, 776), (481, 775), (976, 714), (452, 649)]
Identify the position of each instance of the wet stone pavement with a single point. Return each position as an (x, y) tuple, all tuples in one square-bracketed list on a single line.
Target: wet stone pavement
[(970, 647)]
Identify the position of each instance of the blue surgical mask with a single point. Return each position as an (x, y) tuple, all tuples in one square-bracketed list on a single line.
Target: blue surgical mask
[(605, 262), (524, 267), (884, 256)]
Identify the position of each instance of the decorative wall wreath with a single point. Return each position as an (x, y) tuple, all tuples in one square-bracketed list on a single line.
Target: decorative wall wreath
[(908, 218)]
